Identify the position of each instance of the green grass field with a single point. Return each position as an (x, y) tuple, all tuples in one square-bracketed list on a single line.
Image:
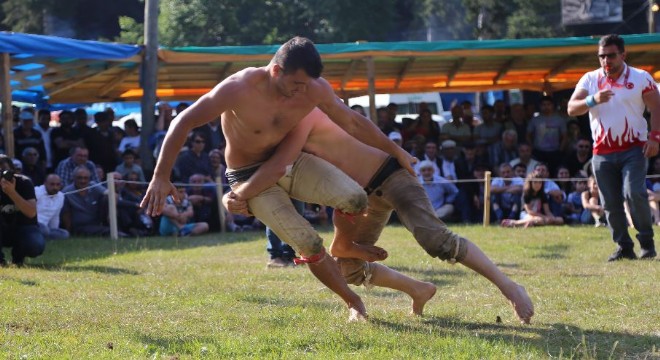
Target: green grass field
[(212, 297)]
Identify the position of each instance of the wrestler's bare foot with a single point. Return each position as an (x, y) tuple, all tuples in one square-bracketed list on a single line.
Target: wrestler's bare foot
[(357, 312), (423, 294), (520, 301), (353, 250)]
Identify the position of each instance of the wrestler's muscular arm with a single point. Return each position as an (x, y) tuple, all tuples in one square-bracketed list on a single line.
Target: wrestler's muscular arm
[(207, 108), (359, 126)]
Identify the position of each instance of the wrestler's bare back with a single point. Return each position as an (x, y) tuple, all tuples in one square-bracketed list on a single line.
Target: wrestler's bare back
[(260, 116), (334, 145)]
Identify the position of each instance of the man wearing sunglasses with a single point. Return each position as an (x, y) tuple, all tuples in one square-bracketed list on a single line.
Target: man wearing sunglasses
[(615, 95)]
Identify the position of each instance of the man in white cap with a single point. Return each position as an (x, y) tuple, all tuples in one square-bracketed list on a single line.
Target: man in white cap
[(396, 137), (448, 160)]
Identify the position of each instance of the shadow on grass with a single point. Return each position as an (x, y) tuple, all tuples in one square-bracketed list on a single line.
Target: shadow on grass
[(551, 252), (60, 253), (91, 268), (556, 340)]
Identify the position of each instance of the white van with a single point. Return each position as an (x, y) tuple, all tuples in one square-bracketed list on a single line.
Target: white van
[(407, 104)]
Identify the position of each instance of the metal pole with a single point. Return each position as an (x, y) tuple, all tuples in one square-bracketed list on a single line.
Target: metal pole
[(651, 17), (221, 209), (5, 97), (149, 77)]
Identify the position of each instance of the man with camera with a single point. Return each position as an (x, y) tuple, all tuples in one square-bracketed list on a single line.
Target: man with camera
[(19, 229)]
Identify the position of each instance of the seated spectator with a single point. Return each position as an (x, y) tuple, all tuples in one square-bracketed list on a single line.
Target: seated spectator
[(535, 205), (591, 203), (32, 168), (85, 210), (218, 167), (447, 162), (556, 196), (525, 157), (577, 159), (194, 160), (100, 173), (505, 150), (18, 166), (441, 192), (431, 155), (79, 157), (132, 138), (19, 229), (520, 170), (563, 176), (129, 165), (653, 189), (507, 192), (472, 208), (574, 211), (50, 201), (396, 137), (202, 196), (177, 218), (129, 212)]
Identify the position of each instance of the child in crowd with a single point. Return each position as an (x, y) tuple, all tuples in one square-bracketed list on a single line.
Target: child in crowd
[(591, 203), (574, 210), (129, 165), (176, 218), (535, 203)]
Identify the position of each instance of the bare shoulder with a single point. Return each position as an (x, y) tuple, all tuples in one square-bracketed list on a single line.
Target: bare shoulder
[(241, 82), (321, 90)]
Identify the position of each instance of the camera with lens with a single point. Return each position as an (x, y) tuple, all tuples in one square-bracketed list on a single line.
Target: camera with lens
[(8, 175)]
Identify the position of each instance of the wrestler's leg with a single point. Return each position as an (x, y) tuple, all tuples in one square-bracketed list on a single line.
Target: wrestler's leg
[(415, 211), (274, 208), (347, 235), (419, 291), (476, 260)]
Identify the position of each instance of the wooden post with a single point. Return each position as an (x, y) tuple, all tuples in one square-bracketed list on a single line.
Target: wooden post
[(149, 77), (5, 97), (487, 199), (371, 76), (112, 209), (221, 209)]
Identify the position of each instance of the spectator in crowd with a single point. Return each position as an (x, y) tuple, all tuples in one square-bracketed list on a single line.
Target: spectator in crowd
[(535, 204), (456, 130), (591, 203), (132, 190), (129, 212), (441, 192), (81, 120), (132, 138), (525, 158), (43, 127), (32, 167), (396, 137), (101, 142), (281, 254), (218, 167), (653, 188), (50, 201), (473, 209), (212, 133), (64, 138), (194, 160), (385, 121), (430, 154), (579, 157), (547, 132), (573, 135), (505, 150), (517, 122), (19, 229), (359, 109), (447, 161), (469, 117), (489, 131), (574, 211), (506, 193), (425, 126), (25, 135), (18, 166), (556, 196), (202, 196), (177, 218), (129, 165), (85, 207), (520, 170), (79, 157), (501, 113), (100, 174)]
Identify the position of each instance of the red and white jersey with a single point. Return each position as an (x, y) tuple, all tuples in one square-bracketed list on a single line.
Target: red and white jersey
[(618, 124)]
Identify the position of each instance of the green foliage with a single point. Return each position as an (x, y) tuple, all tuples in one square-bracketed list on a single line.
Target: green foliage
[(24, 15), (212, 297), (132, 32)]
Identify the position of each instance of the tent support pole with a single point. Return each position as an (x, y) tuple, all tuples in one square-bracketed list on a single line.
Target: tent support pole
[(7, 116), (371, 75), (149, 81)]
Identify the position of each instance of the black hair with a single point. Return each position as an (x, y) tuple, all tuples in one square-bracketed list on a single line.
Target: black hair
[(612, 39), (547, 98), (101, 116), (6, 160), (299, 53)]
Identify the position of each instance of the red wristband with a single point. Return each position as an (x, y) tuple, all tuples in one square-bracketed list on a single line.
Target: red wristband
[(655, 136)]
